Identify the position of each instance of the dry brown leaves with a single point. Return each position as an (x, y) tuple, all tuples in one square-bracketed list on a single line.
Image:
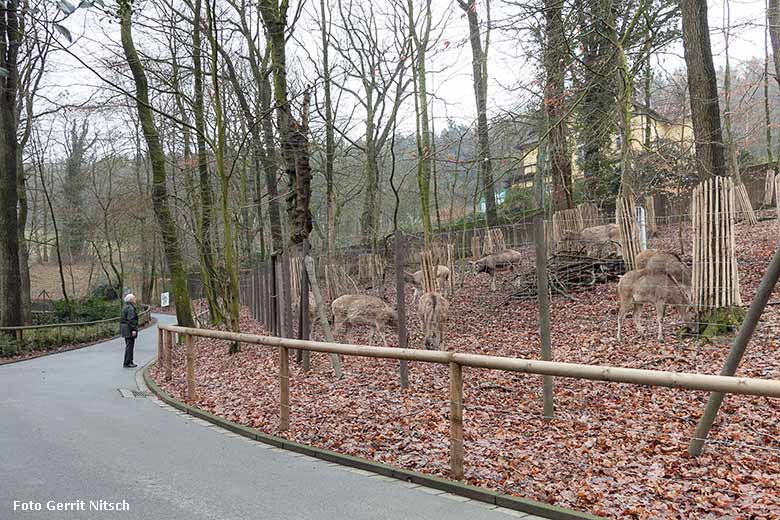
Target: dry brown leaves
[(614, 450)]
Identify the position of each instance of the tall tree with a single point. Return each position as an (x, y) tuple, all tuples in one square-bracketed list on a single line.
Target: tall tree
[(703, 88), (479, 56), (419, 45), (205, 208), (10, 279), (160, 202), (328, 120), (555, 105), (274, 15)]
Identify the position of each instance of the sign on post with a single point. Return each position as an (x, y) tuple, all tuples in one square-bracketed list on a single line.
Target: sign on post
[(165, 299)]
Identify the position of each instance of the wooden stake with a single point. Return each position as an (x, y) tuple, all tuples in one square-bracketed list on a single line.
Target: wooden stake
[(284, 389), (400, 254), (169, 339), (192, 395), (456, 421), (160, 354), (737, 351)]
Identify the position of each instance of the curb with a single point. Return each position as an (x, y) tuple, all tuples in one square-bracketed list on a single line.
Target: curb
[(456, 488)]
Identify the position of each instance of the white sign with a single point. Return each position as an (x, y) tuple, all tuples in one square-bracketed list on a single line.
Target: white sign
[(165, 299)]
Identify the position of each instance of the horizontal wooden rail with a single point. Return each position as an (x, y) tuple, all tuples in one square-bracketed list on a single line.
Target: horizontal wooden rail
[(456, 362), (685, 380), (146, 310)]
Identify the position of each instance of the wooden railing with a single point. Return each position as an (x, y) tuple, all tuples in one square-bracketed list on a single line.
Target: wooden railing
[(52, 334), (456, 362)]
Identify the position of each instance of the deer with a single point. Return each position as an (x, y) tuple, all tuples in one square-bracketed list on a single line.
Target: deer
[(416, 279), (361, 309), (664, 262), (434, 313), (506, 259), (637, 288), (595, 236)]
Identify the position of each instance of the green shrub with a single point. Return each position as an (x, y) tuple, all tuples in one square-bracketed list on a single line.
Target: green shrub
[(91, 309)]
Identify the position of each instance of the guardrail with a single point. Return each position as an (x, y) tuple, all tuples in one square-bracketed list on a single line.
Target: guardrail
[(456, 362), (34, 337)]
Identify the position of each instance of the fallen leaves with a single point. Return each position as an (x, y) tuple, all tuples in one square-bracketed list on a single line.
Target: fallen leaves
[(615, 450)]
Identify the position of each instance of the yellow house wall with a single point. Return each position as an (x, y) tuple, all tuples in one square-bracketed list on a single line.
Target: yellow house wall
[(659, 129)]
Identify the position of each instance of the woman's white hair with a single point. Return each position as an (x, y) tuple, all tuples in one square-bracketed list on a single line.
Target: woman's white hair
[(130, 297)]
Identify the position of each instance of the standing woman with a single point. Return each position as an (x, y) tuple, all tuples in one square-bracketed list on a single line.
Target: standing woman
[(128, 326)]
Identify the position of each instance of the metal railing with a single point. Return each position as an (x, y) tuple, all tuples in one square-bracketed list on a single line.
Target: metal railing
[(17, 340), (456, 362)]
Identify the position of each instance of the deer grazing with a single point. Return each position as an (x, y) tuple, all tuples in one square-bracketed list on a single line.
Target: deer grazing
[(362, 309), (637, 288), (416, 279), (433, 311), (490, 264)]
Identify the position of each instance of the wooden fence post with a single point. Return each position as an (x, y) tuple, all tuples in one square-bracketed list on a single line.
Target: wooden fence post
[(284, 389), (456, 421), (274, 297), (305, 325), (169, 355), (159, 347), (192, 395), (401, 303)]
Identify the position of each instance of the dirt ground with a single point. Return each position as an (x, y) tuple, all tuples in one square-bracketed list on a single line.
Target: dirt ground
[(46, 277), (613, 450)]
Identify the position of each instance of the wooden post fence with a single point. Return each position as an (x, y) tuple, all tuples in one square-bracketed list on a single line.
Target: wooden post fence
[(160, 347), (192, 395), (456, 421), (169, 355), (284, 389), (400, 255), (456, 362)]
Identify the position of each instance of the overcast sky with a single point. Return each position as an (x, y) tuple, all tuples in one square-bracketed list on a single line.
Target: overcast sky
[(512, 61)]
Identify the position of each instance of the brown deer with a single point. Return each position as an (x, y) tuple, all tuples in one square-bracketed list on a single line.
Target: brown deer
[(362, 309), (433, 311), (490, 264), (596, 236), (664, 262), (637, 288), (416, 279)]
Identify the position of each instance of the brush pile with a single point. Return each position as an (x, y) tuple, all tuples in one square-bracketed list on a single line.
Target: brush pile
[(570, 272)]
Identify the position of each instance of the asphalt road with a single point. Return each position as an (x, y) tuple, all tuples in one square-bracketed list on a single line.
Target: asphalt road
[(68, 435)]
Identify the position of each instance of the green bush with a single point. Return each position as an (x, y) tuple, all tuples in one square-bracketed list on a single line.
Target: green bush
[(91, 309)]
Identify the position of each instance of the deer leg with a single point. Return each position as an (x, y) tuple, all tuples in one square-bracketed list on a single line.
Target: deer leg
[(637, 317), (621, 316), (660, 310), (378, 330), (493, 281)]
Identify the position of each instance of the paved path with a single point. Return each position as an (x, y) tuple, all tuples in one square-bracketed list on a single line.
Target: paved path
[(68, 434)]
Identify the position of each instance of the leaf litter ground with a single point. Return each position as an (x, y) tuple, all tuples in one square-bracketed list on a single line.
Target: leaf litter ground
[(615, 450)]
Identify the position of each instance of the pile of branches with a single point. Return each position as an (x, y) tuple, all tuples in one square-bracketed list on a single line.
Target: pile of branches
[(570, 272)]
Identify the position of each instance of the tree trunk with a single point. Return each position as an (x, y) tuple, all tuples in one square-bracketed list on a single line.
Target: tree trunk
[(423, 136), (157, 156), (10, 278), (231, 289), (330, 146), (703, 88), (208, 272), (480, 78), (554, 106)]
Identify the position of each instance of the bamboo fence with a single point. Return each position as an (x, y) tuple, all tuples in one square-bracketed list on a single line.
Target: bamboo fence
[(715, 276)]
